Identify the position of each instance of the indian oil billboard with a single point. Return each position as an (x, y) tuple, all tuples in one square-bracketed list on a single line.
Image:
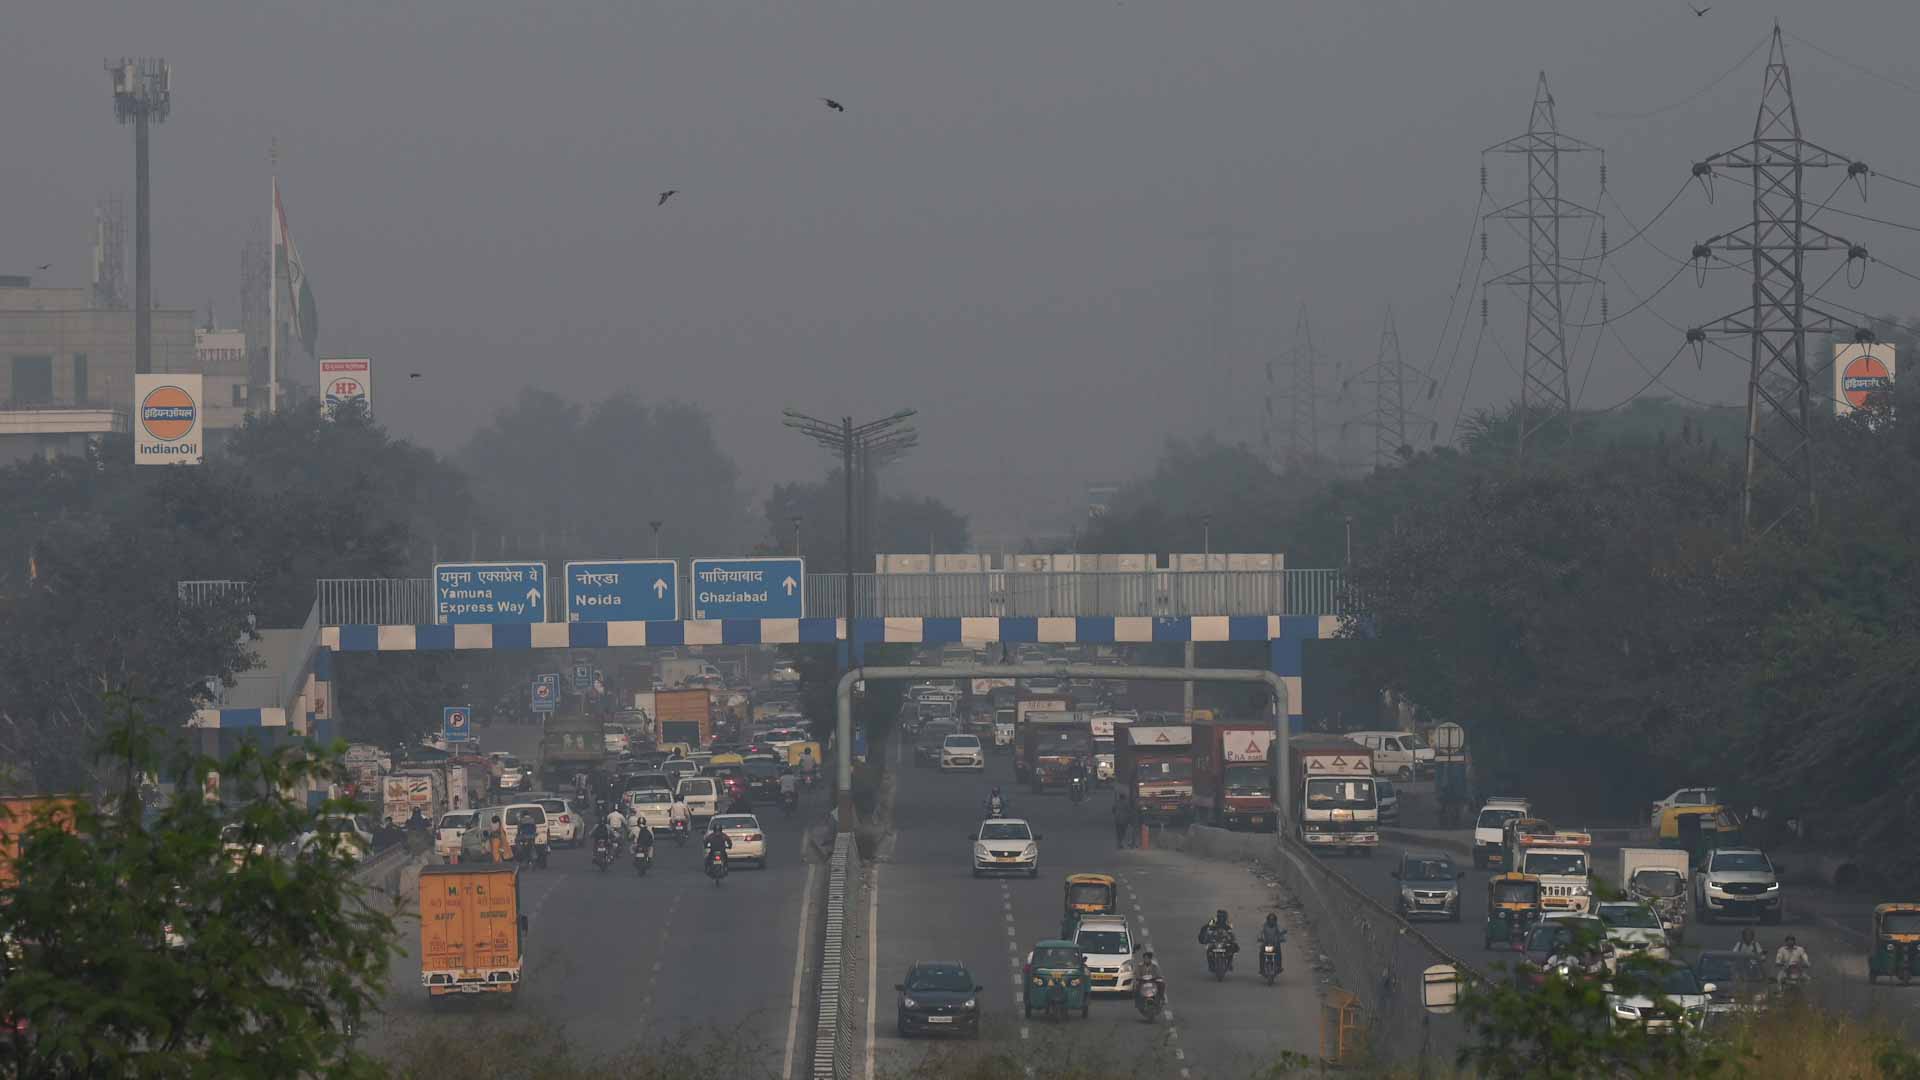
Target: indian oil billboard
[(1860, 370), (169, 417)]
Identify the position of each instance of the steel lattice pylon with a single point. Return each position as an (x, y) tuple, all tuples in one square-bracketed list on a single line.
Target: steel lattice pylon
[(1546, 393), (1303, 415), (1778, 319)]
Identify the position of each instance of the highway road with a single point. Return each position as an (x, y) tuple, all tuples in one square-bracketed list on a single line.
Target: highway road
[(618, 958), (930, 907)]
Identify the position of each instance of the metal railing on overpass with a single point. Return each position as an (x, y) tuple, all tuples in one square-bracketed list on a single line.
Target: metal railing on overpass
[(988, 594)]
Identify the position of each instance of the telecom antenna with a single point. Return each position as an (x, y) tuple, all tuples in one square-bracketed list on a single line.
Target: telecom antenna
[(142, 93), (1778, 320), (1546, 393), (109, 253)]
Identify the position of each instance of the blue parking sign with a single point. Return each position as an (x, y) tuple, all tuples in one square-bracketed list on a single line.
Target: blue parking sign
[(456, 723)]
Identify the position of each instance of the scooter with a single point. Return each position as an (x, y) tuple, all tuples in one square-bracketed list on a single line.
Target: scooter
[(523, 853), (716, 868), (1269, 962), (679, 831), (1147, 1000), (1077, 789)]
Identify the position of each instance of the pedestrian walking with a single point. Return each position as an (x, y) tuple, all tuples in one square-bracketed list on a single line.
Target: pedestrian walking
[(1133, 824), (1122, 817)]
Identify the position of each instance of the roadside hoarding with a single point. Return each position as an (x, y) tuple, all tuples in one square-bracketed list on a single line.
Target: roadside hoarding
[(169, 418), (344, 380), (1860, 369)]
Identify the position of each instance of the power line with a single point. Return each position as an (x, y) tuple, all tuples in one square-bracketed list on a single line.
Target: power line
[(1693, 97), (1861, 68)]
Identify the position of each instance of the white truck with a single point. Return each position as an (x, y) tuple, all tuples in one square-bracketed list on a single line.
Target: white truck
[(1562, 861), (1333, 779), (1657, 877)]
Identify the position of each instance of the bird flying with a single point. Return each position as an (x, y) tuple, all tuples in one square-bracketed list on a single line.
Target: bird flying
[(1699, 10), (667, 194), (834, 105), (45, 266), (413, 374)]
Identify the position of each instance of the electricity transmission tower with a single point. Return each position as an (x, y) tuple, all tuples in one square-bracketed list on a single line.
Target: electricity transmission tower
[(1390, 418), (1777, 322), (1303, 400), (1546, 394)]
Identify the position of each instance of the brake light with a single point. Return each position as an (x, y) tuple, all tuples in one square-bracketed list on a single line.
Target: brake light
[(754, 838)]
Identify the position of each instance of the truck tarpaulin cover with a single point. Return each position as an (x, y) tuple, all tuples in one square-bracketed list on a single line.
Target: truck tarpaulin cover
[(1246, 745), (469, 921), (1174, 735)]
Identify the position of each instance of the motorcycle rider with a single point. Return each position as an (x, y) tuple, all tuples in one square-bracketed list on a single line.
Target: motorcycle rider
[(1748, 945), (1148, 971), (1786, 956), (677, 813), (996, 803), (642, 837), (718, 843), (1221, 930), (789, 787), (616, 823), (525, 833), (1271, 933), (602, 835)]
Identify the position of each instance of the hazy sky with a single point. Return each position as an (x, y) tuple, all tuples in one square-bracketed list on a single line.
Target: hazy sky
[(1039, 223)]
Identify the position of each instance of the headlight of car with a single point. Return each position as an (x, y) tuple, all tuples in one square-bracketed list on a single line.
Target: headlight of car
[(1625, 1012), (1773, 886), (979, 851), (969, 1003), (1033, 849), (1716, 885)]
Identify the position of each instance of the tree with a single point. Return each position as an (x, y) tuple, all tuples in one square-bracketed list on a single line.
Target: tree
[(901, 524), (146, 948)]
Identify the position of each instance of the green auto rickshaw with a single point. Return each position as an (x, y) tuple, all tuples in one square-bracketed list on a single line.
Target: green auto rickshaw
[(1896, 943), (1513, 907), (1056, 980)]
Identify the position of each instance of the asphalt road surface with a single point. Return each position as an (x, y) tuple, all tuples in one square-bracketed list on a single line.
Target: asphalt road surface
[(930, 907), (620, 958)]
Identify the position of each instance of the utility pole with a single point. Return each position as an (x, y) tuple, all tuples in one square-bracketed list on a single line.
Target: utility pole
[(142, 93), (883, 439), (1777, 321), (1546, 393)]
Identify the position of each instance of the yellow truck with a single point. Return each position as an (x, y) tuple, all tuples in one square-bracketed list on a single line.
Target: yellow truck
[(471, 929)]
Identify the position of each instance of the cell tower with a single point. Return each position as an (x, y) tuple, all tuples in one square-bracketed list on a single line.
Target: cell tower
[(1546, 392), (109, 253), (142, 93)]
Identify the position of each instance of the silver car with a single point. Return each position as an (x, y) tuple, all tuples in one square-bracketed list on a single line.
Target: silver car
[(1736, 881)]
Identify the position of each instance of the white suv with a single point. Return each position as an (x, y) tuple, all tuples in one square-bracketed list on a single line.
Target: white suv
[(701, 794), (563, 824), (962, 752), (1109, 950)]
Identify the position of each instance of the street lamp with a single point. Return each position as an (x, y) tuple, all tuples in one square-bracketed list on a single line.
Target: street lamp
[(655, 526), (796, 536), (142, 93), (1206, 540), (1347, 563)]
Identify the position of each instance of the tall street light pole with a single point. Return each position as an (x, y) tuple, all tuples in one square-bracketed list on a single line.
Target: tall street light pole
[(142, 93), (655, 526)]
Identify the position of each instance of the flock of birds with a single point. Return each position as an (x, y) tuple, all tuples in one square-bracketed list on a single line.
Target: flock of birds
[(671, 192)]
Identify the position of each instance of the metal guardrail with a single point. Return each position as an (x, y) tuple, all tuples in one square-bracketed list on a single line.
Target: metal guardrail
[(211, 591), (987, 594), (833, 1028)]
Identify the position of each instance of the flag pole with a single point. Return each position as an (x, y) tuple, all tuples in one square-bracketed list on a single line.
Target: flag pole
[(273, 286)]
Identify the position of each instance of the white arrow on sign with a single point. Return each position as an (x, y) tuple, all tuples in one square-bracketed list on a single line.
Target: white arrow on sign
[(790, 584), (533, 597), (660, 590)]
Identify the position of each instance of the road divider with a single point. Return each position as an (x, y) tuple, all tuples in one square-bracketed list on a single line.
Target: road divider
[(832, 1034)]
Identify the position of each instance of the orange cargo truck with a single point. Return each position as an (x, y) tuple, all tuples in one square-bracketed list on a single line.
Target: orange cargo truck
[(471, 929)]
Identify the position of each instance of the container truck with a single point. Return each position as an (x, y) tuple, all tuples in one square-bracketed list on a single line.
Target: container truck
[(1233, 777), (1657, 877), (1054, 743), (1334, 793), (1023, 709), (573, 743), (403, 792), (471, 929), (684, 716), (1154, 766)]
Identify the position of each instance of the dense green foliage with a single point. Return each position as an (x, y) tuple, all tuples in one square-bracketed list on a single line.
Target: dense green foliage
[(1597, 604), (900, 524), (140, 946)]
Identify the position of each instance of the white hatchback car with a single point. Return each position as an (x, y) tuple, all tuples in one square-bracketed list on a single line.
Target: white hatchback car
[(962, 752), (1109, 950), (749, 840), (1006, 845), (565, 826), (650, 806), (701, 795)]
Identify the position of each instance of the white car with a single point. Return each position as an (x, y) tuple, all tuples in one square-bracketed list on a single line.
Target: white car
[(513, 814), (563, 823), (1633, 928), (1109, 950), (450, 835), (701, 795), (749, 840), (784, 673), (962, 752), (650, 806), (1006, 845), (1489, 839), (1681, 997), (513, 775), (353, 840)]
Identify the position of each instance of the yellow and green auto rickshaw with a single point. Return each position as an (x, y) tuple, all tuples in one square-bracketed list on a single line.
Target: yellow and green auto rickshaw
[(1087, 894), (1896, 943), (1513, 907), (1055, 979), (1697, 829)]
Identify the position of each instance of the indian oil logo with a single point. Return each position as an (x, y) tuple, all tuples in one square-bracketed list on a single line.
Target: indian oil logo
[(167, 413)]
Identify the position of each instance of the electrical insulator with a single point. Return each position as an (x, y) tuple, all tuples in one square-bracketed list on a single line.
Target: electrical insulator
[(1483, 244), (1483, 309), (1603, 241), (1483, 176), (1603, 176)]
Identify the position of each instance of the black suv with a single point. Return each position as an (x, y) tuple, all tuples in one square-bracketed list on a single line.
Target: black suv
[(1429, 886)]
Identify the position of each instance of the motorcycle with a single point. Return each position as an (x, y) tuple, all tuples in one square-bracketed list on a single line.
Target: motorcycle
[(996, 808), (1219, 959), (1077, 789), (602, 854), (523, 853), (1793, 980), (809, 778), (1269, 962), (679, 831), (1148, 1000), (716, 867), (789, 803), (642, 860)]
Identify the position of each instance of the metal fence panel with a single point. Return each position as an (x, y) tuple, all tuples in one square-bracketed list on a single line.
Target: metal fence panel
[(381, 601)]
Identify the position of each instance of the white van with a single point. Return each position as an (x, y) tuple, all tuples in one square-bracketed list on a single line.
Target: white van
[(1399, 754), (1489, 829), (701, 795)]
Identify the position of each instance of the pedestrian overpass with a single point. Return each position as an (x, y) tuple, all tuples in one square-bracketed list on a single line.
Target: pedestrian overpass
[(293, 695)]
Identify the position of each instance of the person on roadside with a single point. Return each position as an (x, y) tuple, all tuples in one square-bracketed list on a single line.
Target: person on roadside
[(1122, 817)]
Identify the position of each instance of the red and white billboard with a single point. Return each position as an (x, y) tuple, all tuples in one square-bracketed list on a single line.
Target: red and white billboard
[(1859, 371), (346, 379)]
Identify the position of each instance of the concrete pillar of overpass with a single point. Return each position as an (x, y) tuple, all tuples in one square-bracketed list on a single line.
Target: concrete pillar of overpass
[(1284, 660), (1186, 688)]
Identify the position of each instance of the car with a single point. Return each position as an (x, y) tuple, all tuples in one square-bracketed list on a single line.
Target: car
[(352, 839), (1553, 931), (1736, 881), (749, 839), (926, 749), (1386, 797), (565, 823), (1108, 946), (458, 832), (1740, 982), (1633, 927), (784, 673), (1686, 796), (649, 805), (1666, 995), (513, 775), (1489, 842), (234, 845), (763, 777), (1006, 845), (513, 814), (938, 996), (1429, 885), (962, 752), (702, 796), (675, 768)]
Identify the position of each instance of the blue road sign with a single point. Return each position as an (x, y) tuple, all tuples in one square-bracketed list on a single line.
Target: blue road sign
[(456, 723), (623, 590), (546, 692), (499, 592), (749, 588), (582, 676)]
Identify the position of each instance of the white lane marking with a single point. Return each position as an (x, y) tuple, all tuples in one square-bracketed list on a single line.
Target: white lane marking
[(799, 968), (1023, 1032), (1179, 1054), (873, 952)]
